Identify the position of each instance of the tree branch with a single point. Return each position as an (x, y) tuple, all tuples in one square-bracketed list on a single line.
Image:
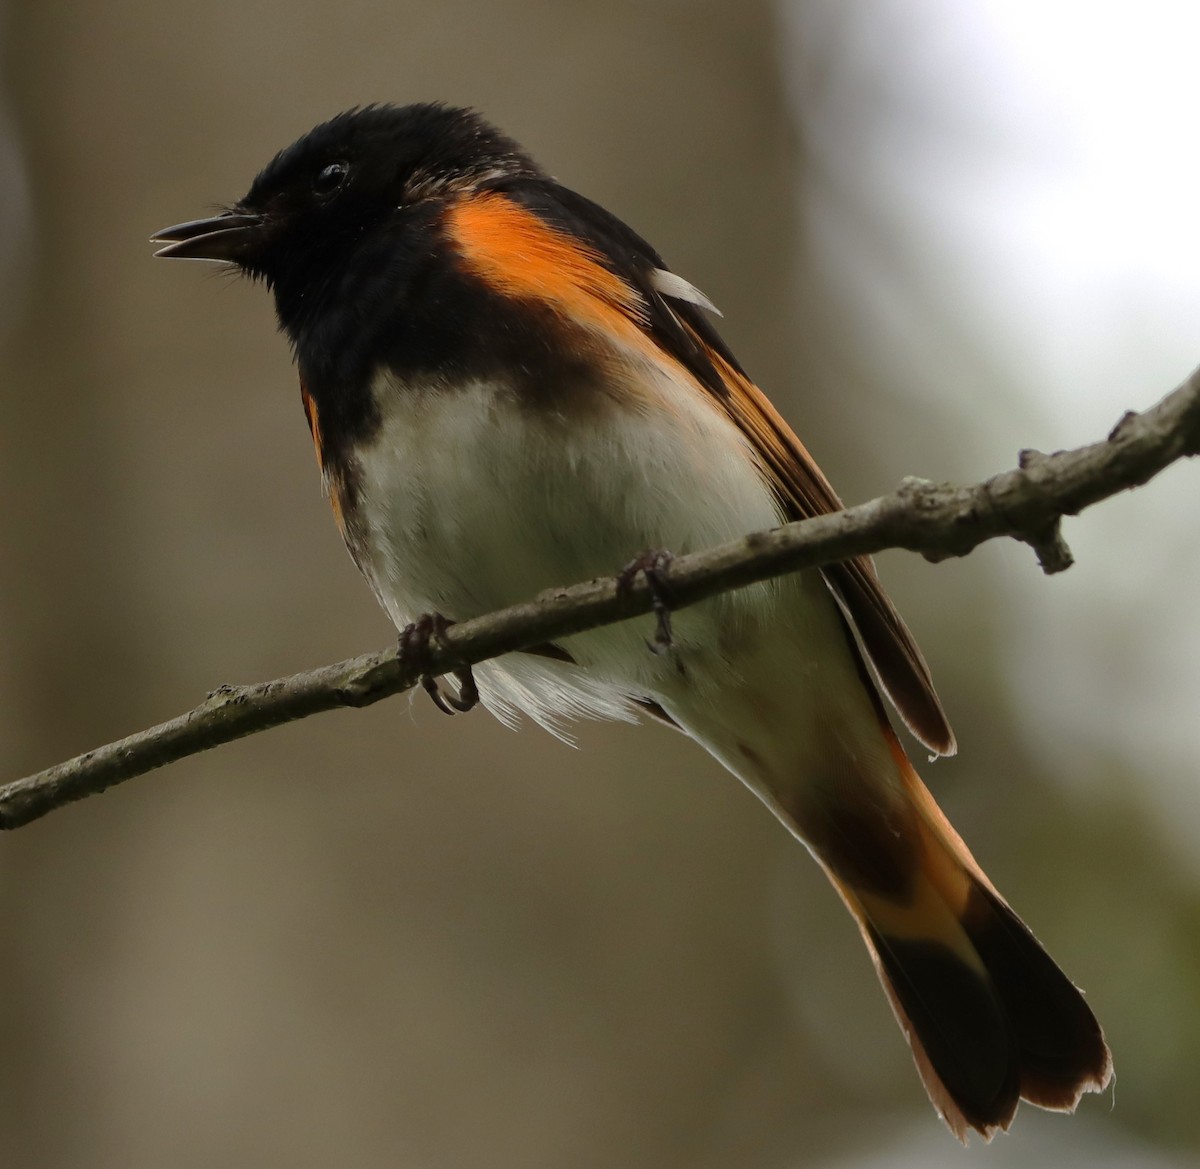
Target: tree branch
[(937, 520)]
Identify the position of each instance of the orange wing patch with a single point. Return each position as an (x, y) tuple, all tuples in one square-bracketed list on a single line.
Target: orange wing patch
[(805, 492), (519, 255)]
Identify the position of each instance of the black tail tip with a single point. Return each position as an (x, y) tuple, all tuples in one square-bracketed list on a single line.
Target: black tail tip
[(987, 1035)]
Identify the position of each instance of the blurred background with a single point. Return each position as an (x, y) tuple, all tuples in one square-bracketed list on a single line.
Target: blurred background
[(939, 231)]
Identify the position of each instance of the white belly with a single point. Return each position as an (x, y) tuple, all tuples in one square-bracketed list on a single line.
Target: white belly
[(471, 500)]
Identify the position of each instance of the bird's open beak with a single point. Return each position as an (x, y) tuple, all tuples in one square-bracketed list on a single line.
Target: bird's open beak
[(226, 237)]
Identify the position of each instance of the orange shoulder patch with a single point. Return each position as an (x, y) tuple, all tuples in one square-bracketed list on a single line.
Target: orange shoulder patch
[(519, 255)]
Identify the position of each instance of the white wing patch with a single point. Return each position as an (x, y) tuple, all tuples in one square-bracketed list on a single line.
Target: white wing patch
[(679, 289)]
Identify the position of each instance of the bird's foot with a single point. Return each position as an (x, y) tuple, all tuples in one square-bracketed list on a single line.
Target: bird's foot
[(413, 650), (655, 567)]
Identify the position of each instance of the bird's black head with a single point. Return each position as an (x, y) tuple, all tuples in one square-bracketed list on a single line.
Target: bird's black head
[(317, 202)]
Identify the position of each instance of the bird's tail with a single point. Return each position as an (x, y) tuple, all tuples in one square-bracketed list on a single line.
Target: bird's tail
[(990, 1017)]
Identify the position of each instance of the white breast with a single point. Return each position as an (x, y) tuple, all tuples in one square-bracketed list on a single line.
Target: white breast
[(472, 499)]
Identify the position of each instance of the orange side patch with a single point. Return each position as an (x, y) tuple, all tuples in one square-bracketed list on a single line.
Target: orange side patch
[(331, 487), (519, 255), (314, 424)]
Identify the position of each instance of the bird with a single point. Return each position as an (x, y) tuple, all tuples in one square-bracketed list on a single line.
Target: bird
[(509, 390)]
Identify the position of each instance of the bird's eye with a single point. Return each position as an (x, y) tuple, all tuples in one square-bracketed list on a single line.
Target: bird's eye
[(329, 178)]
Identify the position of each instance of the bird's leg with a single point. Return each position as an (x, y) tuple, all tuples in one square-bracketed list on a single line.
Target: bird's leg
[(655, 567), (413, 649)]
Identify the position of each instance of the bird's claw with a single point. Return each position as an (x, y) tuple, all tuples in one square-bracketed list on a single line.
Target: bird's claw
[(655, 567), (413, 650)]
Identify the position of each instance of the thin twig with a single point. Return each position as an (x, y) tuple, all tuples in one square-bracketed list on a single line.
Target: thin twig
[(937, 520)]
